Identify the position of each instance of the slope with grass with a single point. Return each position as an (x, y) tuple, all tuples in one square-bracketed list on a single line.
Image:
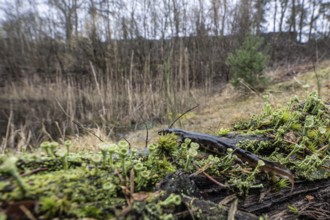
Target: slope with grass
[(222, 109), (176, 180)]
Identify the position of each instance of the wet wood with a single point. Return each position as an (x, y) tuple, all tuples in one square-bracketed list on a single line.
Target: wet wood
[(213, 202)]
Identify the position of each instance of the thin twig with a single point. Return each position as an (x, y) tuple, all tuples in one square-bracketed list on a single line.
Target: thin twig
[(182, 115), (249, 87), (132, 177), (200, 170), (129, 144), (27, 212), (7, 130), (124, 188), (147, 134), (190, 207), (323, 148), (98, 88), (228, 199), (59, 130), (232, 210), (86, 129), (285, 140), (76, 122), (214, 180), (46, 132), (188, 212), (125, 211), (35, 171)]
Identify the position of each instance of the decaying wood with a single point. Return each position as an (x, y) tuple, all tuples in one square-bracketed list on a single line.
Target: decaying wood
[(311, 199), (196, 200), (199, 193), (219, 146)]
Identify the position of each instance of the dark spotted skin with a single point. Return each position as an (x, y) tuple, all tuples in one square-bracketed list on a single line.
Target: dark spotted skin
[(214, 145)]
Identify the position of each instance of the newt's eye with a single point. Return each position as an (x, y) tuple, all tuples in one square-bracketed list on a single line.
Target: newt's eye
[(164, 131)]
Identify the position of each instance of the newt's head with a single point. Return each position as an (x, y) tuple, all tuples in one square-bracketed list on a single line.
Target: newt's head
[(176, 131), (165, 131)]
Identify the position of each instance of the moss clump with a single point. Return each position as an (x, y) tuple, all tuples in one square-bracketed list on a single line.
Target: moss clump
[(301, 136), (86, 184), (167, 145), (117, 182)]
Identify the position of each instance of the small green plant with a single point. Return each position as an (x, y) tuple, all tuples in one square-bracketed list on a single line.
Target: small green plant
[(282, 184), (96, 158), (49, 205), (9, 167), (138, 168), (167, 145), (123, 144), (248, 63), (152, 150), (301, 135), (63, 155), (68, 145), (45, 146), (97, 185), (105, 149), (54, 205), (171, 200), (293, 209), (52, 147), (191, 154), (123, 152), (112, 149), (110, 188), (223, 131), (251, 177), (142, 175)]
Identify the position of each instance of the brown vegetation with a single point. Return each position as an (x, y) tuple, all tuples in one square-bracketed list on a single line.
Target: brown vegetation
[(117, 64)]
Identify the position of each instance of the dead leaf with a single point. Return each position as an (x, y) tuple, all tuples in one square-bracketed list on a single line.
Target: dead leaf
[(141, 196), (309, 198)]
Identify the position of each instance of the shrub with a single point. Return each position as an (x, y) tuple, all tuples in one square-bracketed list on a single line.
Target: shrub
[(247, 64)]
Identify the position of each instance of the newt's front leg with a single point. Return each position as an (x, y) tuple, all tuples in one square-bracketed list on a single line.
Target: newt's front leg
[(216, 146)]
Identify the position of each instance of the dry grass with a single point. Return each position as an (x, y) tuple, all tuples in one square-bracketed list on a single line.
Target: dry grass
[(222, 110), (89, 142), (109, 105), (48, 110)]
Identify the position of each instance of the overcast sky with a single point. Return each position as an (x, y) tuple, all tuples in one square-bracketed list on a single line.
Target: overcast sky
[(133, 5)]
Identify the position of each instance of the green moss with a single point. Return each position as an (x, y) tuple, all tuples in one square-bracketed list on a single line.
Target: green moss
[(167, 145), (223, 131), (282, 184), (97, 184), (306, 123), (69, 192)]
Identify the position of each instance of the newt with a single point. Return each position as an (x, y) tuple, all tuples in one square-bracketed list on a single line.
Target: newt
[(213, 144)]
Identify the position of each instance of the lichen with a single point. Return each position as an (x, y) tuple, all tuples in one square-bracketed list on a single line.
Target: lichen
[(301, 136), (88, 184), (117, 181)]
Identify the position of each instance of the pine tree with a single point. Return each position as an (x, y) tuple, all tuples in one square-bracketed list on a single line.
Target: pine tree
[(248, 63)]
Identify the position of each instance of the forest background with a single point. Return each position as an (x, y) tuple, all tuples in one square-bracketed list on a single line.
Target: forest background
[(70, 65)]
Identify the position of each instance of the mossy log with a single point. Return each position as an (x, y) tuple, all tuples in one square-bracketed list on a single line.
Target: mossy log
[(243, 174), (207, 200)]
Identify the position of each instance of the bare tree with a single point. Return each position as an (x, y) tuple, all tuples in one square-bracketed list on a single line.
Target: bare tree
[(275, 16), (68, 10), (302, 16), (215, 8), (242, 18), (284, 7), (324, 29), (292, 22), (312, 19), (259, 14)]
